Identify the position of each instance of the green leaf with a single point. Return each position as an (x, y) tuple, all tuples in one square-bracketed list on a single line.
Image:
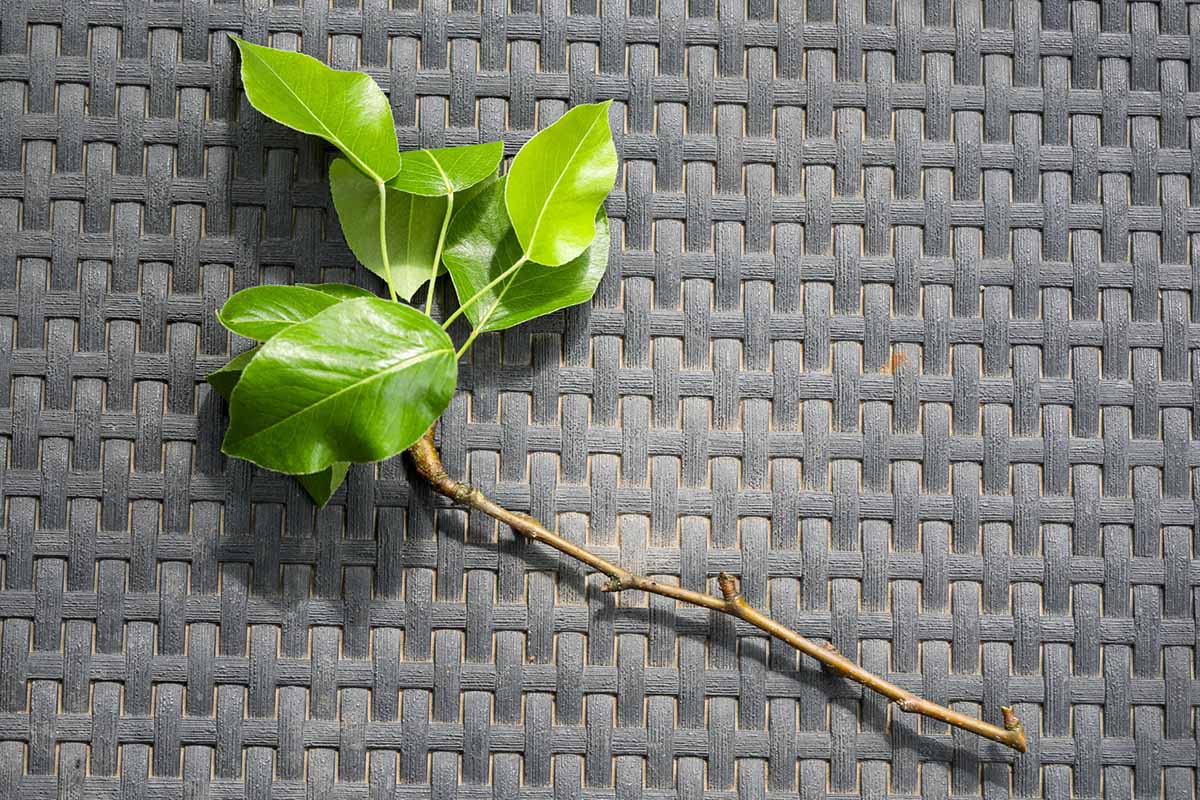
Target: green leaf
[(482, 245), (448, 169), (346, 109), (413, 224), (321, 485), (558, 181), (342, 291), (360, 381), (260, 312), (463, 199), (224, 379)]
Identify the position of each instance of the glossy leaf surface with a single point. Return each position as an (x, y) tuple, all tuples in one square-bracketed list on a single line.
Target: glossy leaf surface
[(319, 485), (448, 169), (260, 312), (347, 109), (359, 382), (558, 181), (482, 245), (413, 224), (463, 199)]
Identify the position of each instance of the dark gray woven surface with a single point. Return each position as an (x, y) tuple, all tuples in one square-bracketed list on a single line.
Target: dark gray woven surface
[(902, 330)]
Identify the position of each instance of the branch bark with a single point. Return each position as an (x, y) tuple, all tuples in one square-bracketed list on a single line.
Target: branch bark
[(429, 464)]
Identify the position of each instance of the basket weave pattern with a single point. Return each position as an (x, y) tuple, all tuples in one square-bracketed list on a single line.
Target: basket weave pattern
[(902, 325)]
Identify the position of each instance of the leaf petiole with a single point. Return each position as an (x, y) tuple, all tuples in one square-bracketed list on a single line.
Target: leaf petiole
[(483, 321), (470, 301), (437, 253), (383, 252)]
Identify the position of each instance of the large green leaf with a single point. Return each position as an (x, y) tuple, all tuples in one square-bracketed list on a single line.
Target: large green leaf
[(347, 109), (360, 381), (319, 485), (482, 245), (413, 224), (448, 169), (260, 312), (558, 181)]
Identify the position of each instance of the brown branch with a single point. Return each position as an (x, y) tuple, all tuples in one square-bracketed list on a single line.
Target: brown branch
[(429, 465)]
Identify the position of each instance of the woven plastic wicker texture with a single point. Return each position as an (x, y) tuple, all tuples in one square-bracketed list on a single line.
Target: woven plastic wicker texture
[(901, 326)]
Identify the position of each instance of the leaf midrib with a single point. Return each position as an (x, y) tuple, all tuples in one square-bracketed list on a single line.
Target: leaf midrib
[(445, 178), (549, 195), (333, 137), (409, 362)]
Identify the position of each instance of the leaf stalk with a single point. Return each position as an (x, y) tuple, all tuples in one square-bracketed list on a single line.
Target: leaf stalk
[(483, 321), (383, 248), (437, 252), (473, 299)]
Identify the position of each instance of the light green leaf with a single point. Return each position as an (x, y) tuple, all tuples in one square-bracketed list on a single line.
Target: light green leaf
[(433, 173), (482, 245), (557, 182), (260, 312), (224, 379), (342, 291), (413, 224), (360, 381), (346, 109), (321, 485)]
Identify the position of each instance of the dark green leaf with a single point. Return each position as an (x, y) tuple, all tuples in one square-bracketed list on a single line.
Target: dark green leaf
[(557, 182), (342, 291), (347, 109), (224, 379), (260, 312), (321, 485), (413, 224), (360, 381), (482, 245), (448, 169)]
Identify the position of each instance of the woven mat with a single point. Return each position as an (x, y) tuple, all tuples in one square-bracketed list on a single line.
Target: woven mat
[(900, 327)]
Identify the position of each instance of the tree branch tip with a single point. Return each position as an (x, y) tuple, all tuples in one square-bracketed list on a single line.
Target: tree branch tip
[(728, 586)]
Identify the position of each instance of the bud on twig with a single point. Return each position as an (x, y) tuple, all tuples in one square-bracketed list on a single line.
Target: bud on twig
[(728, 585)]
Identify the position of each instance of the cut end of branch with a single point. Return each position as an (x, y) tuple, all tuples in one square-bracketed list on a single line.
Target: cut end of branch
[(728, 586)]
